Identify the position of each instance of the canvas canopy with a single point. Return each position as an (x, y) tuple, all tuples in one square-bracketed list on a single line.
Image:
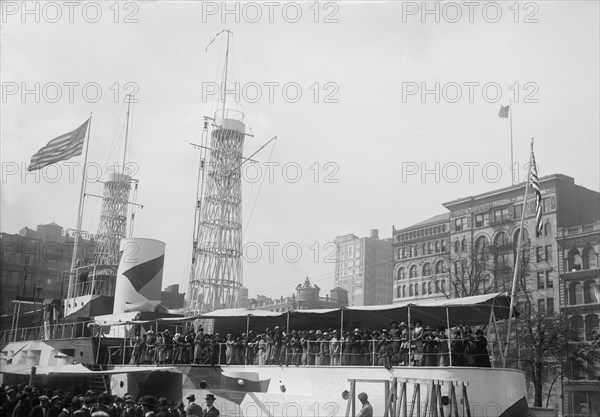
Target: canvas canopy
[(470, 311)]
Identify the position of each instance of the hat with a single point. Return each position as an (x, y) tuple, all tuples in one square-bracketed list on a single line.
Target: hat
[(191, 397), (403, 324), (335, 332), (210, 397), (276, 328), (318, 332), (394, 322), (428, 328), (41, 397), (150, 331), (56, 397), (129, 400), (149, 401), (357, 330)]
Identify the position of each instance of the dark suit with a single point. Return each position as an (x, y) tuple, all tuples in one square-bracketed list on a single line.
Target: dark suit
[(210, 412), (38, 411)]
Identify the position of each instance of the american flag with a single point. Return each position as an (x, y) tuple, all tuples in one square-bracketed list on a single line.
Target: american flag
[(503, 113), (535, 184), (59, 149)]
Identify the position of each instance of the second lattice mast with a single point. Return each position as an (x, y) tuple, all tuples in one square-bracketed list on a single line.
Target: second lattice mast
[(217, 267)]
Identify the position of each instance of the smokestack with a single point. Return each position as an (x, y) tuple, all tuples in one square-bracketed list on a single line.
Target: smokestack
[(374, 234)]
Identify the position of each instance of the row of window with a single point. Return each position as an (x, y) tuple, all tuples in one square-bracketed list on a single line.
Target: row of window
[(583, 293), (576, 261), (421, 233), (428, 248), (584, 326), (427, 288)]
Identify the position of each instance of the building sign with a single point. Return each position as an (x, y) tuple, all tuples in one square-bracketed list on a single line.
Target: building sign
[(485, 207), (83, 234)]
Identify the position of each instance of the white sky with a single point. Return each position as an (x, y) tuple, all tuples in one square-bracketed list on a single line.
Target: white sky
[(369, 134)]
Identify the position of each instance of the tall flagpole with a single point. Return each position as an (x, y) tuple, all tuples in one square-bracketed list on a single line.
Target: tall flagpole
[(512, 165), (70, 290), (513, 294)]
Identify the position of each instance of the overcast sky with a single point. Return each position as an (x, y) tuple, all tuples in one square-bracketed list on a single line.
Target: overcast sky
[(360, 123)]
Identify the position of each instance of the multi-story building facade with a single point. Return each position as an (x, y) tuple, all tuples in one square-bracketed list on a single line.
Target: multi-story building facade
[(364, 268), (419, 251), (481, 233), (579, 283), (307, 297), (34, 265)]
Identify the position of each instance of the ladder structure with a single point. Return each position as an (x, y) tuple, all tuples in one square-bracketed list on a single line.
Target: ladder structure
[(427, 399)]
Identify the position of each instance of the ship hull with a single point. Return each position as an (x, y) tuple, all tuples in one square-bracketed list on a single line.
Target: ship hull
[(318, 391)]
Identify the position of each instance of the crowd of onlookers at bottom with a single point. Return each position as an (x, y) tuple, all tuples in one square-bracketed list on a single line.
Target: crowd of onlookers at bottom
[(25, 401), (397, 346)]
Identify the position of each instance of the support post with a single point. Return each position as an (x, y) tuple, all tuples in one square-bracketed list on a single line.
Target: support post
[(449, 336)]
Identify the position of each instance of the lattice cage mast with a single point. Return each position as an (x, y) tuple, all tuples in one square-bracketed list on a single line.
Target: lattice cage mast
[(216, 276)]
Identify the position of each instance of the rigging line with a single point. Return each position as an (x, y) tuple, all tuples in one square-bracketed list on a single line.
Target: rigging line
[(257, 195)]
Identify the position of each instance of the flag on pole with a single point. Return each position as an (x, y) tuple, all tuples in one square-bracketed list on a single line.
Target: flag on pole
[(535, 184), (60, 149), (503, 113)]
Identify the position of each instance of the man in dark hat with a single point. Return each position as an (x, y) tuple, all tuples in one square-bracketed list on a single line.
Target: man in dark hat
[(210, 410), (482, 356), (192, 408), (148, 404)]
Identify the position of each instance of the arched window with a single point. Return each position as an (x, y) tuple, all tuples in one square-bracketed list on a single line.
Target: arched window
[(457, 246), (591, 324), (439, 267), (416, 250), (400, 273), (410, 290), (416, 290), (573, 260), (399, 291), (458, 271), (463, 245), (590, 260), (412, 272), (399, 254), (576, 327), (501, 239), (443, 285), (403, 253), (424, 289), (589, 292), (525, 236), (547, 229), (437, 246), (575, 293), (424, 249), (429, 287), (443, 244), (437, 287), (427, 269), (429, 249), (481, 244), (403, 291)]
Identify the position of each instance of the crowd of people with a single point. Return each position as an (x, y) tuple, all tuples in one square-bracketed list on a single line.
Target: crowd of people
[(397, 346), (25, 401)]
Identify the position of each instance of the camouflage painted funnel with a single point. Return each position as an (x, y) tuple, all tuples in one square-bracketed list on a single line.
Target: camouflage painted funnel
[(139, 277)]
